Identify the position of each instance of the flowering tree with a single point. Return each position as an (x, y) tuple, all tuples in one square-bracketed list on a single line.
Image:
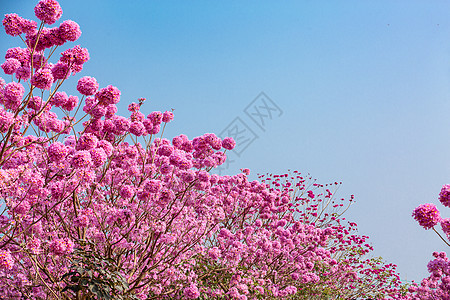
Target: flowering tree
[(109, 209), (437, 285)]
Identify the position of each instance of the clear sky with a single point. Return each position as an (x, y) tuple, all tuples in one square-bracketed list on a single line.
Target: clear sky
[(355, 91)]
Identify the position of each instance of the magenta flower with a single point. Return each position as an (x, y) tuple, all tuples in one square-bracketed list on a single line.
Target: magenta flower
[(35, 103), (57, 151), (6, 261), (111, 110), (87, 86), (121, 124), (427, 215), (108, 95), (445, 225), (71, 103), (167, 116), (54, 38), (137, 128), (133, 107), (444, 195), (43, 79), (126, 191), (10, 66), (13, 24), (87, 141), (59, 99), (13, 92), (29, 26), (98, 156), (155, 117), (60, 70), (81, 221), (61, 246), (21, 54), (228, 143), (23, 73), (81, 159), (48, 11), (69, 30), (106, 146), (75, 55), (191, 292)]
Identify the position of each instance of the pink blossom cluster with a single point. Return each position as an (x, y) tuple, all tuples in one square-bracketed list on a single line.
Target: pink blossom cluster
[(150, 207), (437, 285), (29, 62), (427, 215)]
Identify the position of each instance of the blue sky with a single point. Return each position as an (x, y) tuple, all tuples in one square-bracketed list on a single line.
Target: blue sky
[(362, 90)]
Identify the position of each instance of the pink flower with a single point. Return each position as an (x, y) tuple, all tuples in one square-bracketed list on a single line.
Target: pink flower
[(86, 142), (54, 37), (126, 191), (10, 66), (21, 54), (6, 261), (98, 112), (23, 73), (153, 186), (42, 79), (106, 146), (167, 116), (60, 70), (13, 24), (165, 150), (98, 156), (137, 128), (71, 103), (87, 86), (13, 92), (75, 55), (213, 141), (81, 221), (155, 129), (148, 125), (35, 103), (246, 171), (427, 215), (81, 159), (6, 120), (59, 99), (445, 224), (29, 26), (444, 195), (178, 141), (69, 30), (214, 253), (48, 11), (110, 111), (57, 151), (61, 246), (155, 117), (121, 125), (228, 143), (191, 292), (39, 60), (133, 107), (108, 95)]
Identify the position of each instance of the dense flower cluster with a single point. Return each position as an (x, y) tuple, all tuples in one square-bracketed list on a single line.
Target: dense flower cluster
[(92, 212), (427, 215), (437, 285), (48, 11), (444, 195)]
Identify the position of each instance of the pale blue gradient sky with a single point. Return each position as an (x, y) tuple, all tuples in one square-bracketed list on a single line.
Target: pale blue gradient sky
[(363, 85)]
